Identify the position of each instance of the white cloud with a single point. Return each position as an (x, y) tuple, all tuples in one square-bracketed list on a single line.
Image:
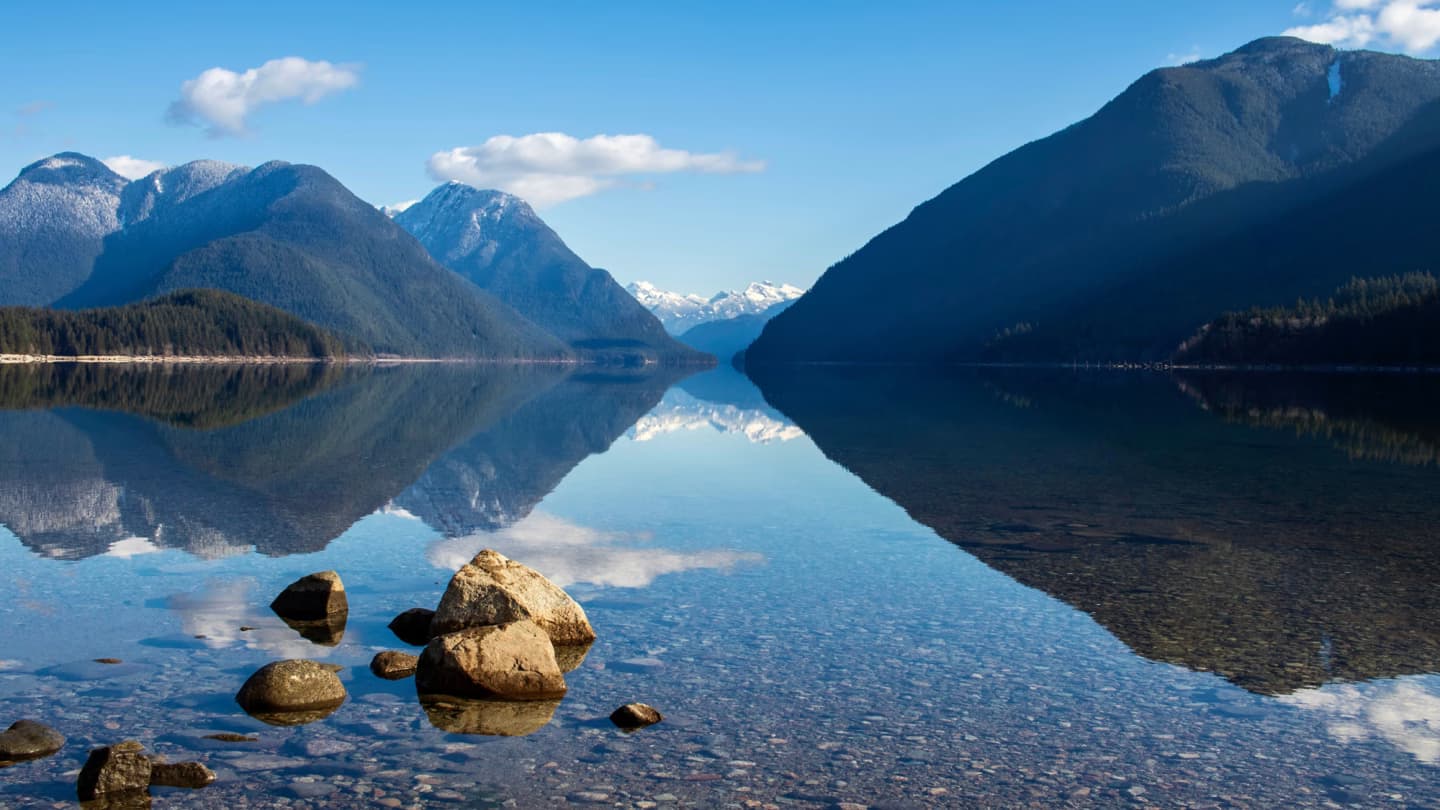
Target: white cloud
[(1411, 26), (222, 100), (392, 210), (569, 554), (1404, 713), (132, 168), (1177, 59), (545, 168)]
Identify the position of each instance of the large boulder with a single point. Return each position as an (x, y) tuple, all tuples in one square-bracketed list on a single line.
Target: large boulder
[(312, 598), (512, 661), (27, 740), (493, 589), (292, 692), (116, 770)]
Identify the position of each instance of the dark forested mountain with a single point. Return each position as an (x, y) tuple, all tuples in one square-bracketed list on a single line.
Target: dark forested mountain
[(498, 242), (1390, 321), (293, 237), (53, 219), (186, 323), (1214, 186)]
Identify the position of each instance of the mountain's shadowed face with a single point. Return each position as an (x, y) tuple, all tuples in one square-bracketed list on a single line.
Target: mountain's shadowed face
[(1284, 539), (283, 459)]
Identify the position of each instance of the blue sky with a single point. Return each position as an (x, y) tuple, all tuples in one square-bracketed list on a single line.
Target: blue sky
[(782, 136)]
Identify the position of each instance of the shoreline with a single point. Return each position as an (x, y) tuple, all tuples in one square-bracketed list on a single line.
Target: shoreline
[(252, 360)]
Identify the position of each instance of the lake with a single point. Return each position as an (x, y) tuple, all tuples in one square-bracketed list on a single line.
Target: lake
[(883, 588)]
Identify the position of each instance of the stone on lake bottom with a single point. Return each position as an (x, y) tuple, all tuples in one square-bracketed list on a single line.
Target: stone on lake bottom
[(292, 692), (190, 775), (634, 716)]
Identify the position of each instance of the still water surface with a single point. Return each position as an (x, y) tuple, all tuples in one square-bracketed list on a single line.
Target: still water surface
[(898, 590)]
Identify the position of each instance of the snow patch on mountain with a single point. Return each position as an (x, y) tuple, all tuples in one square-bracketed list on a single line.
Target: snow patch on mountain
[(167, 187), (458, 222), (68, 193), (680, 312)]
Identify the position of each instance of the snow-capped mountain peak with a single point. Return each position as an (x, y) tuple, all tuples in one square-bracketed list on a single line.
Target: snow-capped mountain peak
[(172, 186), (679, 312)]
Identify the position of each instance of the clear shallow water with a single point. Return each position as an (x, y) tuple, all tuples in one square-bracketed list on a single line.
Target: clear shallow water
[(985, 590)]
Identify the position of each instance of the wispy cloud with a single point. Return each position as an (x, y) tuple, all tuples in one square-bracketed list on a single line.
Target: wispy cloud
[(569, 554), (33, 108), (1412, 26), (222, 100), (132, 168), (546, 168)]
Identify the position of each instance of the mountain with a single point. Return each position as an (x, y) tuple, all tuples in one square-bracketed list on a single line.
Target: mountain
[(54, 217), (680, 313), (293, 237), (1187, 195), (727, 337), (499, 243)]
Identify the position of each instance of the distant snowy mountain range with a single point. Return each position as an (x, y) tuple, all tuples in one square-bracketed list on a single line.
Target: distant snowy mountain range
[(680, 312)]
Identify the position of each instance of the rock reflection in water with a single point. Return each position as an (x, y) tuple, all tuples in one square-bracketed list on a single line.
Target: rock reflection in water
[(493, 718), (1260, 555)]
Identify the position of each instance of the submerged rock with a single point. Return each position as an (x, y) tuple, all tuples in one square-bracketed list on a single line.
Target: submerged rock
[(634, 716), (513, 661), (116, 770), (191, 775), (27, 740), (292, 692), (495, 718), (492, 589), (393, 666), (313, 597), (413, 626)]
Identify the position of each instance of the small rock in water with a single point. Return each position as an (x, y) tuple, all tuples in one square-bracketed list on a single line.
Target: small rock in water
[(190, 775), (413, 626), (292, 692), (226, 736), (118, 769), (108, 661), (28, 740), (393, 666), (312, 598), (634, 716)]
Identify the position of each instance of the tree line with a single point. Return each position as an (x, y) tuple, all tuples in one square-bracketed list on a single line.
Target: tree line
[(188, 322)]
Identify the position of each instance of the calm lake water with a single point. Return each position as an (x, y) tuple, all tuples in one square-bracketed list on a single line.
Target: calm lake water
[(989, 588)]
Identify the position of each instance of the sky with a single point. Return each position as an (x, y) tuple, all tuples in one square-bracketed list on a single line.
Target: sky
[(699, 146)]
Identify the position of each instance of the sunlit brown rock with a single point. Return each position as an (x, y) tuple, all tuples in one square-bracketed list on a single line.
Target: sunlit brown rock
[(634, 716), (313, 597), (513, 661), (27, 740), (492, 589), (292, 692), (114, 770), (393, 666)]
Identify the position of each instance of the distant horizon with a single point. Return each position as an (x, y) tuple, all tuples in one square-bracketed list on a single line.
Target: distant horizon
[(695, 151)]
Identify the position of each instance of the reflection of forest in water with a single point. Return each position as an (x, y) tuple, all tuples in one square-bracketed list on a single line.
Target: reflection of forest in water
[(217, 460), (1261, 555), (1380, 417)]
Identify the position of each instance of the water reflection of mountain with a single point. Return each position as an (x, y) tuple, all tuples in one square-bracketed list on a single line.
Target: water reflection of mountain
[(284, 467), (722, 399), (1260, 555), (496, 477), (1383, 417)]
